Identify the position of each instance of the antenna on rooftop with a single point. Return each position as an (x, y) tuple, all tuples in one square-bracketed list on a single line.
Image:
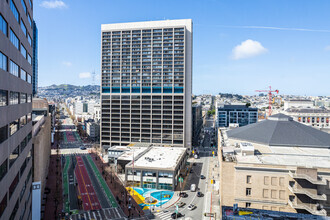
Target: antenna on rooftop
[(93, 77)]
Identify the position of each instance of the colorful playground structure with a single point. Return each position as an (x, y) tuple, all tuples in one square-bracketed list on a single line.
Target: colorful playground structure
[(146, 198)]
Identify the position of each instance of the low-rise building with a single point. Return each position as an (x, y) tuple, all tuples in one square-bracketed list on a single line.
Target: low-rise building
[(277, 164), (156, 168), (120, 156), (235, 114), (298, 103)]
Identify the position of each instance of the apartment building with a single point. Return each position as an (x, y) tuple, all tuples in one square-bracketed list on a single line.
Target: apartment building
[(277, 164), (16, 53), (79, 107), (147, 83), (93, 130)]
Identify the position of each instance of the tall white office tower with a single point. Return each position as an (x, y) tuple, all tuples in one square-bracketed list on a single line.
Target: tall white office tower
[(147, 83)]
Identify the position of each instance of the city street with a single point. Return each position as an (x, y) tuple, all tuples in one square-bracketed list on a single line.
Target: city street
[(201, 167)]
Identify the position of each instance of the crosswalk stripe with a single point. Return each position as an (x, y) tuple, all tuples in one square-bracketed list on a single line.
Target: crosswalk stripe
[(163, 215)]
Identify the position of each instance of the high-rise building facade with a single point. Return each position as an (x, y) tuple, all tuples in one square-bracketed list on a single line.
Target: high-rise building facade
[(35, 59), (16, 53), (147, 83)]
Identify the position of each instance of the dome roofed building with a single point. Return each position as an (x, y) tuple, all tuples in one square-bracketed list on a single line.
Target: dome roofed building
[(281, 130)]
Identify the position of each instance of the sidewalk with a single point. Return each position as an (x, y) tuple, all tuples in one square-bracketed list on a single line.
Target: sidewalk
[(118, 190), (54, 202), (212, 190)]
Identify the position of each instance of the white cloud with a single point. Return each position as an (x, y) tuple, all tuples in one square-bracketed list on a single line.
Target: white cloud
[(67, 63), (247, 49), (85, 75), (327, 48), (53, 4)]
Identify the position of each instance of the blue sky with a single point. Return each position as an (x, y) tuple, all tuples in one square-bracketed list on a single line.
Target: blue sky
[(239, 45)]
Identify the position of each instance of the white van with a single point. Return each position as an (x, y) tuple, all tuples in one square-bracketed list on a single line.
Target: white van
[(193, 187)]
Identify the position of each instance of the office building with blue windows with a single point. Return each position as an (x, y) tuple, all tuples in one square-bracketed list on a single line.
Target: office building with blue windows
[(236, 114), (147, 83), (35, 60)]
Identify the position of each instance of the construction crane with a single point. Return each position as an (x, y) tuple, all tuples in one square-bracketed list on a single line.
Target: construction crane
[(270, 94)]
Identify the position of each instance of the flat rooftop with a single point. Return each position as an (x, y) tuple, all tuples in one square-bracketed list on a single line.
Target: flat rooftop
[(128, 151), (308, 110), (287, 156), (147, 24), (160, 157)]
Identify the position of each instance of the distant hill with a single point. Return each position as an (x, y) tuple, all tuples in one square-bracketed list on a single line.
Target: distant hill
[(70, 87), (67, 90)]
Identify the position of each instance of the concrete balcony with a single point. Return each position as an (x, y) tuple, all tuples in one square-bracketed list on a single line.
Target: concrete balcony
[(310, 208), (319, 181), (314, 196)]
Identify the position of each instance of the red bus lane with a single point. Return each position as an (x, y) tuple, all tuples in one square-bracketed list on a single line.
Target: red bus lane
[(82, 191), (86, 189)]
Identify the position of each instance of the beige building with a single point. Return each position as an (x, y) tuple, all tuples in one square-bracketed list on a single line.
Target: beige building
[(146, 83), (315, 117), (277, 164), (41, 133)]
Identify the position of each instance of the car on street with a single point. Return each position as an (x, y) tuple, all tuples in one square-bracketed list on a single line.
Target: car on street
[(191, 207), (202, 177), (176, 215), (181, 204), (82, 148), (193, 187), (183, 194), (200, 194)]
